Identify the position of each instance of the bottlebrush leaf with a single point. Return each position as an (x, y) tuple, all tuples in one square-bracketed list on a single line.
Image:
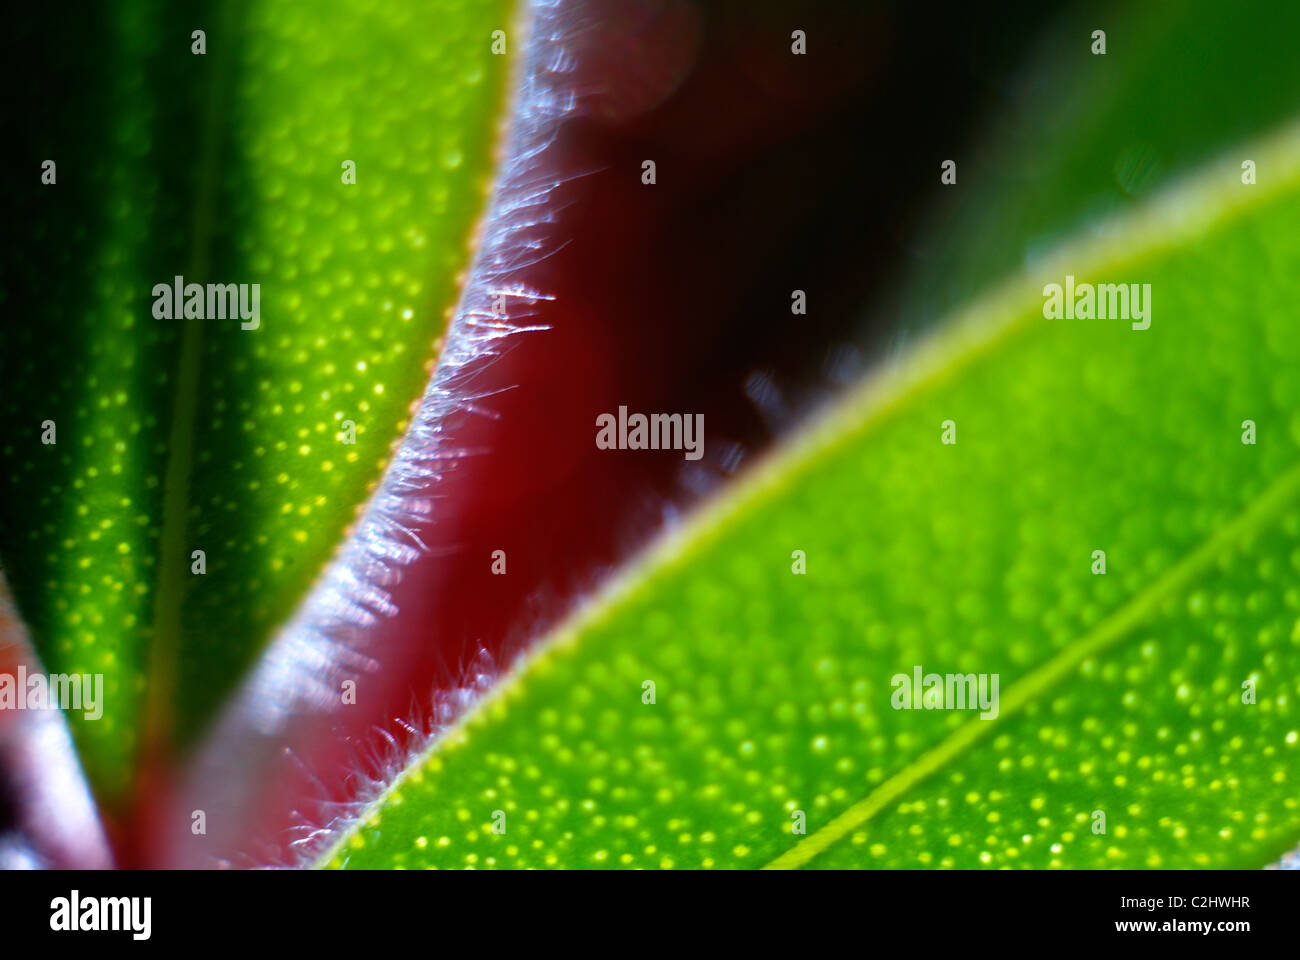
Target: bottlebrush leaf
[(176, 436), (1156, 700)]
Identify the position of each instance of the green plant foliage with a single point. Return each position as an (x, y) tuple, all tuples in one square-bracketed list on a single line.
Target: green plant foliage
[(1161, 694), (181, 435), (1079, 135)]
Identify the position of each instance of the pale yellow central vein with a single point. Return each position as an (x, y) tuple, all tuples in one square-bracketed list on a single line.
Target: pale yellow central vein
[(173, 551), (1104, 635)]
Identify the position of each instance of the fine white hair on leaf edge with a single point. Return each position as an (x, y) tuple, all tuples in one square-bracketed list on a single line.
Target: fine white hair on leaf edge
[(380, 760), (320, 646), (306, 662)]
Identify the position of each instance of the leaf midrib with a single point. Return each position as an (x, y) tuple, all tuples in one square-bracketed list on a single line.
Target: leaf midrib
[(1114, 628), (161, 670)]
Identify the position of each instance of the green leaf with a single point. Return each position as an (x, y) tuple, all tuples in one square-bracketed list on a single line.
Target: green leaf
[(1081, 136), (1120, 694), (180, 435)]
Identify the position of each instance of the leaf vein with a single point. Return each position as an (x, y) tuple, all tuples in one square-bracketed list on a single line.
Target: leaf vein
[(1106, 634)]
